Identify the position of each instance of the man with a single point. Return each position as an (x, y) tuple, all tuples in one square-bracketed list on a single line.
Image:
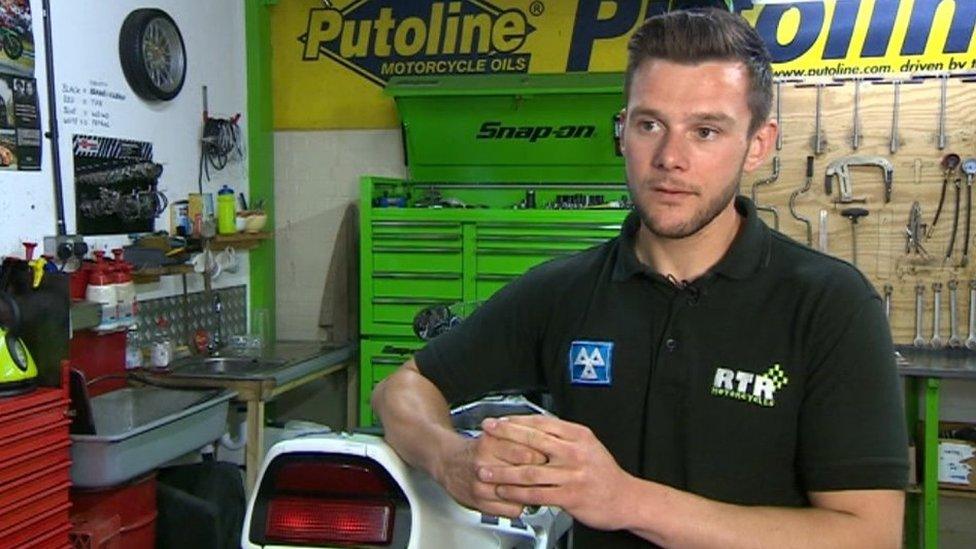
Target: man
[(718, 384)]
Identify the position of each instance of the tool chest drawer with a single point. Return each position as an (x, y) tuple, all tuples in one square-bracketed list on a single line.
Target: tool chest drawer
[(416, 247), (509, 249), (379, 359)]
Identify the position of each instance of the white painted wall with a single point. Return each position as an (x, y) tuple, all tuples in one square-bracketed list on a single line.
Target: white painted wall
[(85, 43), (316, 176)]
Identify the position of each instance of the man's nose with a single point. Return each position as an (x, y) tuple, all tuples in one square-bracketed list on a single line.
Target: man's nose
[(671, 152)]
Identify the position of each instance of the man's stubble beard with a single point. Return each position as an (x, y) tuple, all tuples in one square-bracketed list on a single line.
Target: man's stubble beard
[(701, 218)]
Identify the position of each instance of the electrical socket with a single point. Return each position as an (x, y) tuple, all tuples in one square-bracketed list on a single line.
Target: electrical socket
[(63, 247)]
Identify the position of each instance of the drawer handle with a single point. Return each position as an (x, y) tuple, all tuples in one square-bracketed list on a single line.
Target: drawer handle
[(525, 251), (416, 236), (429, 225), (546, 238), (412, 276), (390, 361), (495, 278), (411, 301), (560, 226), (426, 250), (393, 350)]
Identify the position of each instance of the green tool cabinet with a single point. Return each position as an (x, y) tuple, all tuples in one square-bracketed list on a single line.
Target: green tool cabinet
[(485, 143), (414, 258)]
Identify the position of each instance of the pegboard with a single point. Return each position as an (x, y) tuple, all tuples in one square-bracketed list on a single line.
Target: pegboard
[(917, 176)]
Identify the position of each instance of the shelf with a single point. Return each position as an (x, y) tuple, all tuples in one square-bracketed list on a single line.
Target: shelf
[(946, 492), (239, 241), (152, 274)]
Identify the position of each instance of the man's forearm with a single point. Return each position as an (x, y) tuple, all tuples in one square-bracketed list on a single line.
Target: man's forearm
[(416, 418), (673, 518)]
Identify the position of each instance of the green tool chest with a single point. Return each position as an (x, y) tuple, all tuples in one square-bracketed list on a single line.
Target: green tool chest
[(506, 172)]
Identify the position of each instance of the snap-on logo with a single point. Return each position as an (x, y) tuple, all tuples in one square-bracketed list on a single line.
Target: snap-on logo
[(497, 130), (419, 38)]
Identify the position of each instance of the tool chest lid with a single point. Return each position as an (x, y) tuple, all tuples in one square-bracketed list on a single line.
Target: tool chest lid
[(506, 128), (506, 84)]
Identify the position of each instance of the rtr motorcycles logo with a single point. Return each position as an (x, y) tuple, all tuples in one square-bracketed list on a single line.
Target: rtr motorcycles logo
[(381, 39)]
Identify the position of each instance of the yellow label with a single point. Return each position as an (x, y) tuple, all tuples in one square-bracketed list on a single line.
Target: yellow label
[(330, 63)]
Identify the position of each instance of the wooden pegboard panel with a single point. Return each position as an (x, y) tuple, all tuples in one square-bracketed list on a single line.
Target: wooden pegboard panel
[(881, 235)]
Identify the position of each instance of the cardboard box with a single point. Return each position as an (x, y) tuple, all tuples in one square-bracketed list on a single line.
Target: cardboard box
[(957, 458)]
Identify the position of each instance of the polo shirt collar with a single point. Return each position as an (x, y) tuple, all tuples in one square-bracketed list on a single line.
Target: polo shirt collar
[(748, 254)]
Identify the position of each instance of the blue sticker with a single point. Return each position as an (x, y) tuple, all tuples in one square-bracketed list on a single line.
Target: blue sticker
[(591, 362)]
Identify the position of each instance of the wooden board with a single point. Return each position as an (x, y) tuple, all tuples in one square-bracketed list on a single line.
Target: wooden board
[(881, 235)]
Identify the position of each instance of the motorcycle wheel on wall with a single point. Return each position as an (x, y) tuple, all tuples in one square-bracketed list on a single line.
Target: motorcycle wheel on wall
[(153, 54), (12, 45)]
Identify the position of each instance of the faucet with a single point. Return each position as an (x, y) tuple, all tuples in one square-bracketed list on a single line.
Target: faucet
[(216, 342)]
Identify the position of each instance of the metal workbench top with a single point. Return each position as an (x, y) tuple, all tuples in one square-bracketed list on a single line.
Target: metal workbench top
[(936, 363)]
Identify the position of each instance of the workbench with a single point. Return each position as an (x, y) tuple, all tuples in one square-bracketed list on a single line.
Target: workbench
[(924, 369), (304, 362)]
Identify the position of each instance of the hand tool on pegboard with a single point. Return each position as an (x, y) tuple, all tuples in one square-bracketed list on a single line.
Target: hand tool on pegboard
[(895, 139), (919, 341), (818, 134), (949, 164), (796, 193), (767, 181), (778, 83), (937, 342), (841, 169), (856, 134), (854, 214)]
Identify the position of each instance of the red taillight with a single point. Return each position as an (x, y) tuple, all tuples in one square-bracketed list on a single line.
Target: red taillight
[(325, 477), (311, 520)]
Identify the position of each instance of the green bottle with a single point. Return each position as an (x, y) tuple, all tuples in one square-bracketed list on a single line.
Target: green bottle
[(226, 211)]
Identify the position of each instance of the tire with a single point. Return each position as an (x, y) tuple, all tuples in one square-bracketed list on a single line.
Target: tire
[(13, 46), (160, 76)]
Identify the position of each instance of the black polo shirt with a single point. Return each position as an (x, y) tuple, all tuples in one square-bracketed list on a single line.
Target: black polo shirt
[(769, 377)]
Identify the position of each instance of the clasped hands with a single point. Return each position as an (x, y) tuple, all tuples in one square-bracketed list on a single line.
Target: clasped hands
[(538, 460)]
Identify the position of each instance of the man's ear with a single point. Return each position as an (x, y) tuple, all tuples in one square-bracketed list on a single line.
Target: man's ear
[(621, 121), (761, 144)]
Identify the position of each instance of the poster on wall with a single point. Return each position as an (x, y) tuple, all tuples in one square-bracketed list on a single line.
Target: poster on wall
[(20, 126), (331, 60), (16, 38)]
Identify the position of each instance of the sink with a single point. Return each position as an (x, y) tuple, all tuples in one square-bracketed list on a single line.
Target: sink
[(225, 366), (137, 429)]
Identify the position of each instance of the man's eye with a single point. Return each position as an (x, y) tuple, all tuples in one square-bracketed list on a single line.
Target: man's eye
[(707, 133), (647, 125)]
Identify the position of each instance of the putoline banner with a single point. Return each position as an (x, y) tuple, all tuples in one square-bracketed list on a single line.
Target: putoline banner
[(332, 59)]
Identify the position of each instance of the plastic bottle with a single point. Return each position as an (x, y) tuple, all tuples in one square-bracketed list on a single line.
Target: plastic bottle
[(226, 211), (125, 290), (102, 289)]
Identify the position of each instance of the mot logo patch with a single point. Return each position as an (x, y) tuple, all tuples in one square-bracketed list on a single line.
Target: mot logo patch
[(591, 362)]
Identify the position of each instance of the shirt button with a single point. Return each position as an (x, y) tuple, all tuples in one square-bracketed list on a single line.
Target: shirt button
[(671, 345)]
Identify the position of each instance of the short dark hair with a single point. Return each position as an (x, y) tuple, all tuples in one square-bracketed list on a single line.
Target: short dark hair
[(695, 36)]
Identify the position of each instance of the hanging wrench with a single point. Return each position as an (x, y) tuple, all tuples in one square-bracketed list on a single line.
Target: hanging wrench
[(955, 341), (971, 340), (797, 193), (887, 301), (818, 133), (919, 341), (896, 84), (778, 82), (937, 341), (767, 181), (856, 123), (822, 235)]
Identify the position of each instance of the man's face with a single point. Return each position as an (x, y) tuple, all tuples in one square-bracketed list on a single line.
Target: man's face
[(686, 142)]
